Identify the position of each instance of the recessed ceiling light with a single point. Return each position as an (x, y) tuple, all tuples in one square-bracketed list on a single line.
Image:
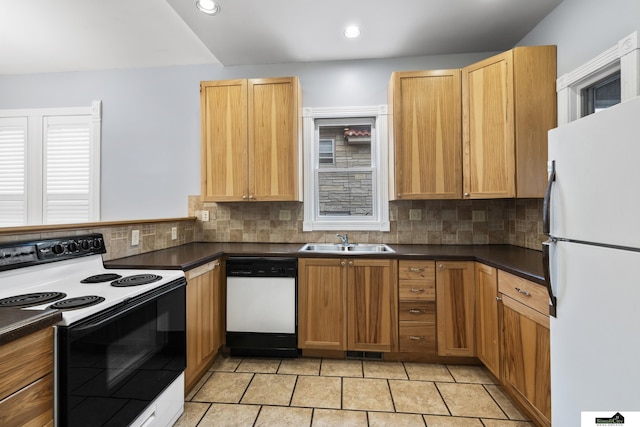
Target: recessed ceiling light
[(209, 7), (352, 31)]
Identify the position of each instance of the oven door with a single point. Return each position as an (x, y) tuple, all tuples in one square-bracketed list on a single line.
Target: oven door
[(111, 366)]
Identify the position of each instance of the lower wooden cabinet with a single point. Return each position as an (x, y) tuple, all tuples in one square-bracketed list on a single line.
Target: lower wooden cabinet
[(455, 298), (487, 326), (205, 314), (525, 345), (26, 390), (347, 304), (417, 308)]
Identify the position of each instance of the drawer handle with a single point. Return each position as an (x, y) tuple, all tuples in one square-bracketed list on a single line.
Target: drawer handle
[(414, 337), (416, 269), (417, 291), (520, 291), (417, 311)]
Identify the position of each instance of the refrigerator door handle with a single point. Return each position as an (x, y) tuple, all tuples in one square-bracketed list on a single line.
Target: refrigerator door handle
[(546, 208), (547, 276)]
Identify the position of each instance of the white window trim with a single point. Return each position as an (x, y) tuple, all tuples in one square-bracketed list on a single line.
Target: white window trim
[(35, 195), (380, 221), (624, 56)]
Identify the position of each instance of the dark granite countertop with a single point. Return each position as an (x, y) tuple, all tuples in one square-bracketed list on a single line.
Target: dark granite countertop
[(526, 263), (16, 323)]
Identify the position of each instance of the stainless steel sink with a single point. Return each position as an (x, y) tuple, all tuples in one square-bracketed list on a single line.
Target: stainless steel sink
[(353, 248)]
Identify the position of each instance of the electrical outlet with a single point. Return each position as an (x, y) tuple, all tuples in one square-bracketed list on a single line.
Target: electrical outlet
[(205, 216), (135, 237), (174, 233), (285, 215), (415, 214)]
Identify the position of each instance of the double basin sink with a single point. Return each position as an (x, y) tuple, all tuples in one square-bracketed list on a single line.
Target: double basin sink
[(352, 248)]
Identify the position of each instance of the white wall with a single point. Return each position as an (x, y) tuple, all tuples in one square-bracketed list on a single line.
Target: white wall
[(582, 29), (151, 127)]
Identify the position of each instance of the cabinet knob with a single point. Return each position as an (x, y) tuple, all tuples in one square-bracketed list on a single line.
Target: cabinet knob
[(498, 299), (244, 197), (466, 194), (399, 195), (251, 197), (441, 267), (343, 263), (351, 263)]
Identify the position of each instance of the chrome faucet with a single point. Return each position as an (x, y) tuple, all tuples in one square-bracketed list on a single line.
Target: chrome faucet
[(345, 239)]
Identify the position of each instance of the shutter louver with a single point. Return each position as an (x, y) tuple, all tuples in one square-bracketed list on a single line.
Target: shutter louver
[(67, 169), (13, 137)]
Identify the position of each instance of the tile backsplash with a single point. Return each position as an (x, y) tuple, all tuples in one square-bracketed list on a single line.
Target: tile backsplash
[(462, 222)]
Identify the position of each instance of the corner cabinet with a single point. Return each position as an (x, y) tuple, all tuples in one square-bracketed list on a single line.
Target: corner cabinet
[(508, 105), (425, 131), (455, 300), (250, 133), (205, 314), (347, 304), (487, 321)]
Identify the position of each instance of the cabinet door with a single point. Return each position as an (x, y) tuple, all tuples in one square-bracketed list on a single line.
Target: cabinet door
[(427, 137), (487, 329), (223, 110), (204, 319), (322, 304), (526, 356), (273, 138), (455, 300), (488, 128), (372, 305)]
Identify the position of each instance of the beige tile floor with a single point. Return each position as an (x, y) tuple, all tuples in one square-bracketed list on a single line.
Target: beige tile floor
[(325, 392)]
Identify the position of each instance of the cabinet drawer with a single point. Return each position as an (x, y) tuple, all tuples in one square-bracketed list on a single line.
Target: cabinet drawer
[(530, 294), (26, 360), (418, 311), (417, 270), (418, 337), (416, 290), (31, 406)]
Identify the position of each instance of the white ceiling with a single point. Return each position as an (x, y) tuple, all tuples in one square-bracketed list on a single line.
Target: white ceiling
[(71, 35)]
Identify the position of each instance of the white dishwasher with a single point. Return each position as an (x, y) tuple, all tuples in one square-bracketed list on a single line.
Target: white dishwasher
[(262, 306)]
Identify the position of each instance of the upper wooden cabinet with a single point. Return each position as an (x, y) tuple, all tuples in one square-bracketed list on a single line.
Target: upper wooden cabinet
[(508, 105), (250, 131), (425, 131), (347, 304)]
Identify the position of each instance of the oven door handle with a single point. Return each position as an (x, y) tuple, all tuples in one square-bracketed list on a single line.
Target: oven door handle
[(123, 308)]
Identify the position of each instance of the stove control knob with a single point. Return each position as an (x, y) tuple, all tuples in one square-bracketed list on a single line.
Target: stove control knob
[(72, 246), (85, 245), (58, 249), (97, 243)]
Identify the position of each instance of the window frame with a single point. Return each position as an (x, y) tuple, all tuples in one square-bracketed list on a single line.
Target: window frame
[(380, 220), (623, 57), (332, 152), (35, 192)]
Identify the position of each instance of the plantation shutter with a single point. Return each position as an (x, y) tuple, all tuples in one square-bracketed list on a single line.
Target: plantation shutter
[(67, 169), (13, 171)]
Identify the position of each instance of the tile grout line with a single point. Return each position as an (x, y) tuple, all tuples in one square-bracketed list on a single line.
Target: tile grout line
[(203, 414), (484, 386)]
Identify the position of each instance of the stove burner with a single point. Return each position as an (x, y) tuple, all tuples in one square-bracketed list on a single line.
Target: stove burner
[(99, 278), (136, 280), (77, 302), (30, 300)]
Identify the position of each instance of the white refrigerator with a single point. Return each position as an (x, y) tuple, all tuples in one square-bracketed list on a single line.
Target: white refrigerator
[(592, 216)]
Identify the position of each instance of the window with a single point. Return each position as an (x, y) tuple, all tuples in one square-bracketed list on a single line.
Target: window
[(602, 94), (50, 165), (609, 78), (345, 171)]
